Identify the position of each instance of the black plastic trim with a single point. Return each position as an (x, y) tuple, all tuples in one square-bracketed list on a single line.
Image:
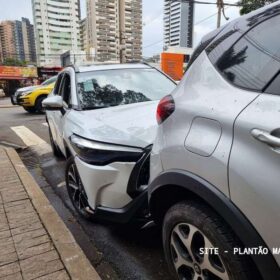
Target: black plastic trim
[(241, 226), (133, 189), (125, 214)]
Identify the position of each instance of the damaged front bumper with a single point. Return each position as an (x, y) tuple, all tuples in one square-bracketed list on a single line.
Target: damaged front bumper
[(116, 190)]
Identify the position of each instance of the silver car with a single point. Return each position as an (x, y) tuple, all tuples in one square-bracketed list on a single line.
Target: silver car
[(215, 180), (102, 119)]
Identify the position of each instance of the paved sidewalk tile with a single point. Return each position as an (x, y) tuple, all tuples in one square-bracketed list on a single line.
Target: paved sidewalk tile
[(58, 275), (26, 249), (15, 276), (41, 265), (9, 269)]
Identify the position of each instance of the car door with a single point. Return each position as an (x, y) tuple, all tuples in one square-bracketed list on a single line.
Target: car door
[(60, 116), (53, 115), (254, 177)]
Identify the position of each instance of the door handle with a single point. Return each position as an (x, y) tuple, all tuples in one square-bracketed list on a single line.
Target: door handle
[(265, 137)]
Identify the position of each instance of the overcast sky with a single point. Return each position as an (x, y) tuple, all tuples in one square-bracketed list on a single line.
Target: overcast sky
[(152, 19)]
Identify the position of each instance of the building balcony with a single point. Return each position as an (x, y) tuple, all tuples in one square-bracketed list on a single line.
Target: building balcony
[(58, 4)]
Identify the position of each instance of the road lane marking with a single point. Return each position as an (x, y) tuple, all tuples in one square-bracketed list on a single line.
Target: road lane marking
[(30, 139), (45, 124)]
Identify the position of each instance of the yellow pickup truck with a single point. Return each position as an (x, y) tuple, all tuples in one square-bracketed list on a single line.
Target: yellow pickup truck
[(31, 98)]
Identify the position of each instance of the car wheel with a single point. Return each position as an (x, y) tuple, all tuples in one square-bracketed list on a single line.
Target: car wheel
[(39, 107), (76, 190), (190, 226), (30, 109), (55, 149), (12, 99)]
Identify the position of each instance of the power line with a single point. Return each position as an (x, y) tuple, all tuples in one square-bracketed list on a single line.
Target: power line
[(153, 19), (199, 22), (155, 43), (207, 3)]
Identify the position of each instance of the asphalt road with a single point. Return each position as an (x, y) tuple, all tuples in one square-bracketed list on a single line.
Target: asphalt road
[(117, 252)]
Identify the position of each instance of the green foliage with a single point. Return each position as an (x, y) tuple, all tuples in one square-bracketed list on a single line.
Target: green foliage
[(248, 6), (13, 62)]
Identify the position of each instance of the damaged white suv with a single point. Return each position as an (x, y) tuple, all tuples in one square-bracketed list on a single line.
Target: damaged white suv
[(102, 119)]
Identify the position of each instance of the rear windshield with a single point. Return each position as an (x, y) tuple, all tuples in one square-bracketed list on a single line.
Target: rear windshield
[(99, 89)]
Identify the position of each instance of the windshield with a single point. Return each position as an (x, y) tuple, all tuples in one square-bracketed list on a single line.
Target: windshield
[(49, 81), (99, 89)]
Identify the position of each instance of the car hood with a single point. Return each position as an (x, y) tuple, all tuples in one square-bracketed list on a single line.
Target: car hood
[(24, 89), (130, 125)]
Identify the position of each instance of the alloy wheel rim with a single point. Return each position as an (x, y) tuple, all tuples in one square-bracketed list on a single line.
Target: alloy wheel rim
[(190, 264), (76, 189)]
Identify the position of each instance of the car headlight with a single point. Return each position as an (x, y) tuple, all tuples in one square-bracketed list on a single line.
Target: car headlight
[(26, 93), (99, 153)]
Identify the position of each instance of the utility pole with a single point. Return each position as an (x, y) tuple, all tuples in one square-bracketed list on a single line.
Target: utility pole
[(220, 5), (121, 15)]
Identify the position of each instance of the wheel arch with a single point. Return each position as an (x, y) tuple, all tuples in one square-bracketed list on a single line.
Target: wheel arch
[(174, 186), (43, 94)]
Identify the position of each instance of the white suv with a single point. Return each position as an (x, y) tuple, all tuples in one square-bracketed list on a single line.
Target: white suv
[(215, 162), (102, 119)]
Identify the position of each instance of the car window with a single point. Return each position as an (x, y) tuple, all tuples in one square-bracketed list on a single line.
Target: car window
[(121, 86), (274, 87), (206, 40), (65, 91), (58, 84), (254, 60)]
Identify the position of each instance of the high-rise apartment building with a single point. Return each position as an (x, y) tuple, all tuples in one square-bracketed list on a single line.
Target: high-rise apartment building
[(83, 34), (178, 24), (114, 30), (17, 40), (57, 29), (28, 38), (7, 40)]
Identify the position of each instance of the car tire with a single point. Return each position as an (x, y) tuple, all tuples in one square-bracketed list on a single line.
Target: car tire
[(55, 149), (30, 109), (76, 190), (39, 106), (189, 226), (12, 100)]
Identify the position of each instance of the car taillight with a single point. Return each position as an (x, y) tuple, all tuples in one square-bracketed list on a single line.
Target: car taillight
[(165, 108)]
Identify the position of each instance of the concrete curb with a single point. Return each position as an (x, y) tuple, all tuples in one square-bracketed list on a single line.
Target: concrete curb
[(75, 261), (8, 106)]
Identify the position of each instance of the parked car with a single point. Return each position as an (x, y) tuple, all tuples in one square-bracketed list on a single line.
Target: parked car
[(102, 119), (214, 181), (30, 98)]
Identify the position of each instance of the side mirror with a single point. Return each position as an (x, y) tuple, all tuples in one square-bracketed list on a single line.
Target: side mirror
[(54, 102)]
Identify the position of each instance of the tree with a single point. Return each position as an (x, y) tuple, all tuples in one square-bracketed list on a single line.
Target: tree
[(13, 62), (248, 6)]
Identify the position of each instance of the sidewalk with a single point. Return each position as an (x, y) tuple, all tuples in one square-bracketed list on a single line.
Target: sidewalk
[(5, 102), (34, 241)]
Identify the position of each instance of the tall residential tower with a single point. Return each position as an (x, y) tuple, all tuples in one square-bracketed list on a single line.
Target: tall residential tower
[(178, 24), (7, 40), (57, 29), (17, 41), (114, 30)]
